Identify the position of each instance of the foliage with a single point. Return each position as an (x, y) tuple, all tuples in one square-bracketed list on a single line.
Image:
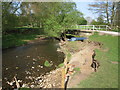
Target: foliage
[(81, 21), (100, 21), (52, 28), (53, 17), (9, 19), (9, 22), (68, 16), (97, 23), (61, 65), (47, 64)]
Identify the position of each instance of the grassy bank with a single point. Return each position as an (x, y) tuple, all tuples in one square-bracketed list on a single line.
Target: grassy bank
[(107, 75), (13, 40)]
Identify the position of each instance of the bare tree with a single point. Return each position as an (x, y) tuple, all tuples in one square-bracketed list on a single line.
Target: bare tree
[(105, 8), (116, 17)]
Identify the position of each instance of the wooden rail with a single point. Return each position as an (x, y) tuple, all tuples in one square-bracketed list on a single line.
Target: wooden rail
[(93, 27)]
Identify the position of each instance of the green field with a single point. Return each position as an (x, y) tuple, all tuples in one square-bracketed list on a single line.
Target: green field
[(107, 74)]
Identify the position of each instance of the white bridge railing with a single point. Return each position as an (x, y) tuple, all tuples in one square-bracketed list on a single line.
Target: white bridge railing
[(93, 27)]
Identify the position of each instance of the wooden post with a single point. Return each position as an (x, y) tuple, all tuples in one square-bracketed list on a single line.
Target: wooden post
[(106, 27), (93, 27), (99, 27)]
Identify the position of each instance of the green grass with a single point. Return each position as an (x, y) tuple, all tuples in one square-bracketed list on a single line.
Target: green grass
[(77, 69), (13, 40), (107, 74), (109, 42)]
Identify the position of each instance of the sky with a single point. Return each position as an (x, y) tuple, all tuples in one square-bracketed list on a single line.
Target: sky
[(83, 7)]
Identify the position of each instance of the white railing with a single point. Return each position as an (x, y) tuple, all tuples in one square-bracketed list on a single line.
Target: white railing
[(93, 27)]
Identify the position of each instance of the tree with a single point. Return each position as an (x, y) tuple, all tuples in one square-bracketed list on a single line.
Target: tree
[(9, 17), (61, 19), (105, 8), (53, 17), (99, 21), (89, 20), (116, 18), (81, 21)]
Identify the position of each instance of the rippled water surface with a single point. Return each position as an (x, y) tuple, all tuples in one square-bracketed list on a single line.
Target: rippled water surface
[(29, 60)]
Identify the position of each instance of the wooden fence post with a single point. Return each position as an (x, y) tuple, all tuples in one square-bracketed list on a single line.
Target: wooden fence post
[(99, 27), (93, 27), (106, 27)]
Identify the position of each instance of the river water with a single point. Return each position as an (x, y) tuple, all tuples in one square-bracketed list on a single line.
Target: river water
[(29, 60)]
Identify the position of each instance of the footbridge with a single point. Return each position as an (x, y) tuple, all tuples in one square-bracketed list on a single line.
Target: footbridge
[(105, 29)]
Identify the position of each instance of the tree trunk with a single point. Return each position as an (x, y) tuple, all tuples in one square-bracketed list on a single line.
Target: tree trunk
[(113, 13), (107, 13)]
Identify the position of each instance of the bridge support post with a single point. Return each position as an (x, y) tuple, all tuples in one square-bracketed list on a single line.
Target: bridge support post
[(106, 27), (93, 27), (99, 27)]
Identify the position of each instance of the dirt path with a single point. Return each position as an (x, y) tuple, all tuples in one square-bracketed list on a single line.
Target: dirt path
[(82, 60)]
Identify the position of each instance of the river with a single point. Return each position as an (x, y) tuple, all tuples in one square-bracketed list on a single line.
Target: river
[(28, 60)]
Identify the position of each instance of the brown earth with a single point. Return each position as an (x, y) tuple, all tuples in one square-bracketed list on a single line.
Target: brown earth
[(82, 58)]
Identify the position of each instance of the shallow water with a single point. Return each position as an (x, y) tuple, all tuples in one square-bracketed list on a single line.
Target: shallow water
[(29, 60)]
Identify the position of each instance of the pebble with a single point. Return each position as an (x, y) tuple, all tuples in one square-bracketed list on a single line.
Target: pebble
[(34, 59), (40, 80), (30, 77), (16, 67), (53, 84), (41, 66), (33, 67), (10, 83), (27, 72), (50, 72), (49, 85), (26, 78), (6, 68), (24, 85), (19, 80), (16, 56), (28, 56), (47, 73)]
